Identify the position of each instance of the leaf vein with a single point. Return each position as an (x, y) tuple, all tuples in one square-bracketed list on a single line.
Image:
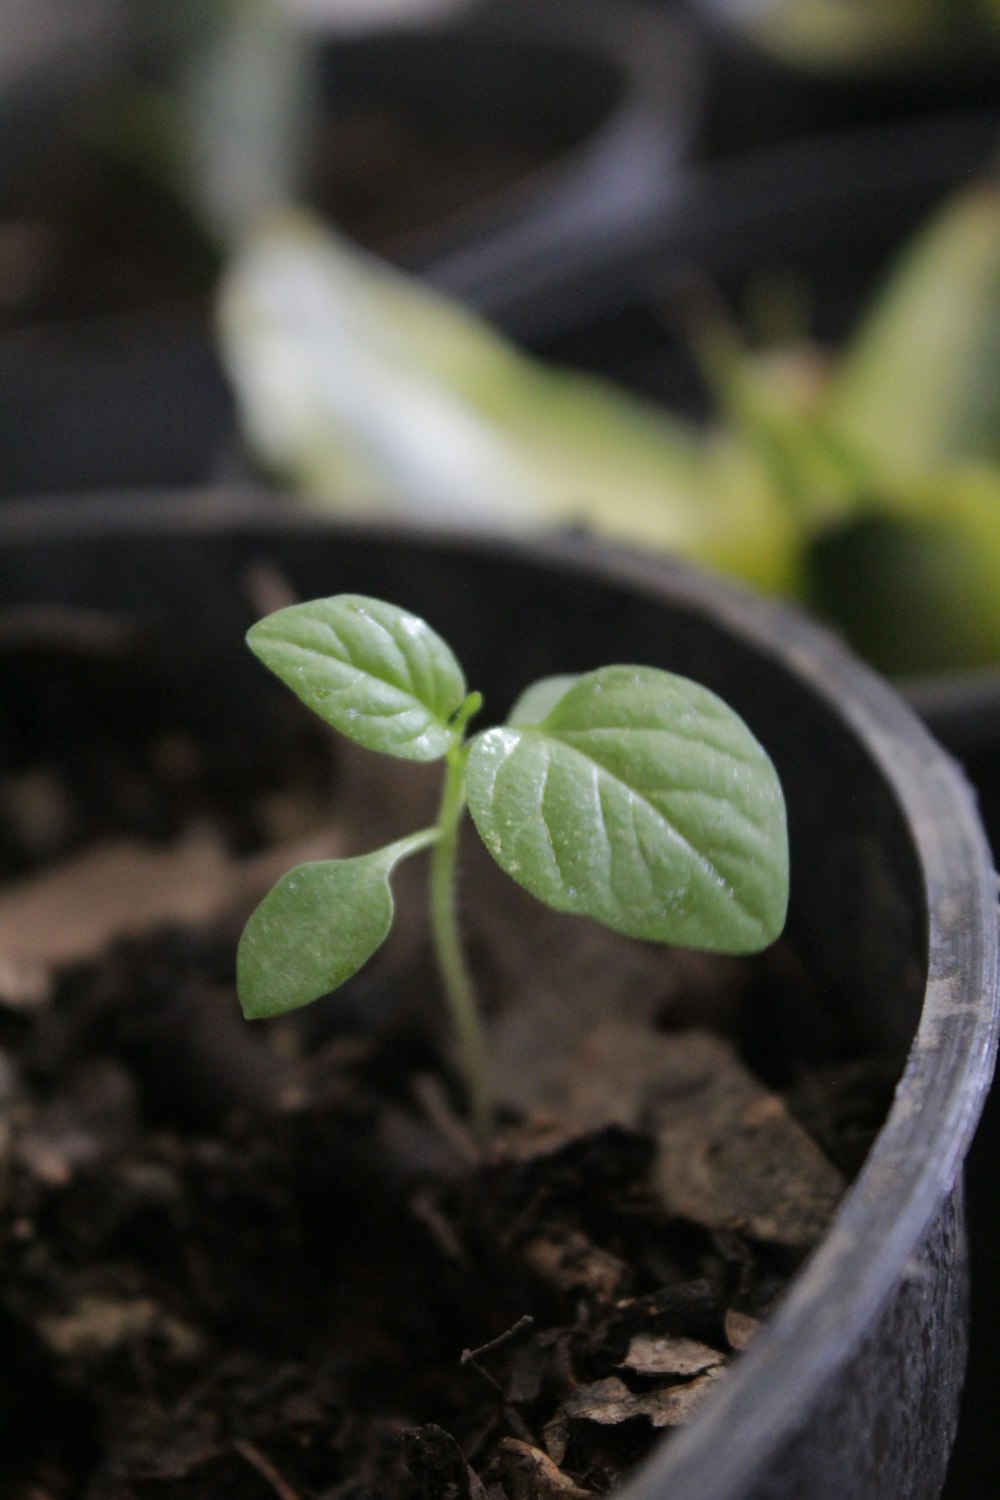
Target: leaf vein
[(701, 861), (375, 677), (544, 822), (739, 755)]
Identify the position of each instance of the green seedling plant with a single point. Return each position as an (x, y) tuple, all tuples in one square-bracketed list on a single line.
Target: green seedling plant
[(628, 794)]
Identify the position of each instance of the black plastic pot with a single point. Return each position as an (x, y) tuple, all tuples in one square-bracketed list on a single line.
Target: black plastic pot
[(852, 1389), (963, 713), (107, 371), (134, 400)]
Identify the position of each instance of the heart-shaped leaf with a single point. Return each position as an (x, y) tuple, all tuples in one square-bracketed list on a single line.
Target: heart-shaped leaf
[(643, 801), (377, 673), (316, 928)]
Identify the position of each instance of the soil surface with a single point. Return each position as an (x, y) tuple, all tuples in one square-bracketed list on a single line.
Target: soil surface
[(270, 1261)]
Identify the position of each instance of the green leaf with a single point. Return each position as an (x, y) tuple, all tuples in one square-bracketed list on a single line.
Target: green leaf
[(643, 801), (378, 674), (538, 700), (917, 385), (316, 928), (356, 380), (915, 584)]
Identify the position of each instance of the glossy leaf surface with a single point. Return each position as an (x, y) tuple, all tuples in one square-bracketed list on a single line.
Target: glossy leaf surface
[(377, 673), (315, 928), (643, 801)]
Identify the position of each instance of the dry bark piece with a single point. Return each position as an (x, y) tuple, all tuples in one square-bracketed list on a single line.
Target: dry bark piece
[(73, 911), (740, 1328), (730, 1155), (661, 1354), (609, 1402), (532, 1475)]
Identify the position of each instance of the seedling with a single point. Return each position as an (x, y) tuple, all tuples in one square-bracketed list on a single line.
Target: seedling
[(628, 795)]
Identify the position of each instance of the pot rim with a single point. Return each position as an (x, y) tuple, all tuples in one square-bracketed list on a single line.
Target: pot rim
[(918, 1153)]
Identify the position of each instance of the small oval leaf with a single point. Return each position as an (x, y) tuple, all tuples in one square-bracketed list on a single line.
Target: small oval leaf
[(642, 800), (315, 928), (377, 673)]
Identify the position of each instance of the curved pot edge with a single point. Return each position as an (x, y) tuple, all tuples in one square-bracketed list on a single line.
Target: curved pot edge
[(901, 1188), (596, 193)]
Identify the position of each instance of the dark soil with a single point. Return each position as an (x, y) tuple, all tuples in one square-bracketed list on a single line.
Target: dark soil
[(270, 1262)]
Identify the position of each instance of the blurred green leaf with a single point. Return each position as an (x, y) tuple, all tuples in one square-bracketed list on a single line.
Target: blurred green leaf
[(919, 383), (854, 35), (773, 403), (538, 700), (365, 388), (915, 585)]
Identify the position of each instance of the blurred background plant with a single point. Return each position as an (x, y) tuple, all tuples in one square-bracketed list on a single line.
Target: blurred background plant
[(835, 35), (863, 481)]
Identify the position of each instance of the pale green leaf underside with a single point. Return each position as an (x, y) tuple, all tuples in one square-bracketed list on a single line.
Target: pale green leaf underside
[(538, 700), (377, 673), (643, 801), (316, 928)]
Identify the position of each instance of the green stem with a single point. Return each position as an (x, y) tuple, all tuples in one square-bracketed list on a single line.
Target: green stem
[(458, 987), (412, 843)]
